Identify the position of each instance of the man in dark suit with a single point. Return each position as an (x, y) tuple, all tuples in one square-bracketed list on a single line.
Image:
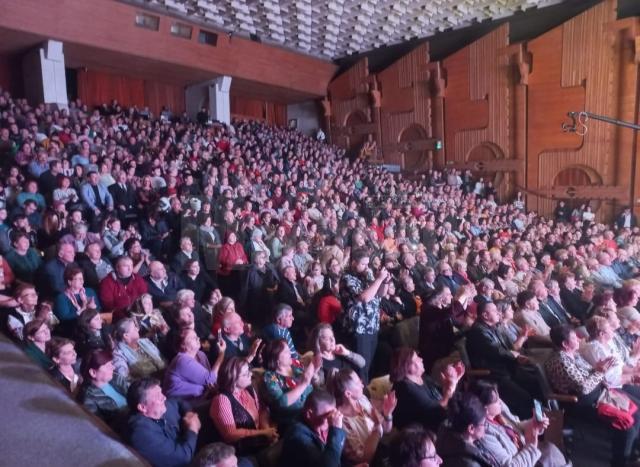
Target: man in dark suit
[(184, 254), (549, 314), (124, 198), (488, 349), (290, 292), (238, 344), (163, 287)]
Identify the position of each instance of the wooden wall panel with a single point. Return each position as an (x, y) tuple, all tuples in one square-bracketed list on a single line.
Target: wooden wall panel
[(585, 64), (274, 113), (406, 111), (482, 108), (96, 87), (349, 108), (11, 74)]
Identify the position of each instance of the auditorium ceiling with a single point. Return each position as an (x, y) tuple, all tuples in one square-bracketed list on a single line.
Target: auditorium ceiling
[(332, 29)]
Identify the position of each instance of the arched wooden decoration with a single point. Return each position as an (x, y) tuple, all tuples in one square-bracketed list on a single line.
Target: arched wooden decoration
[(416, 155)]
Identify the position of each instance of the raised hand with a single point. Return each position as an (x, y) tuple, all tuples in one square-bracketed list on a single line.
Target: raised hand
[(335, 419), (389, 403)]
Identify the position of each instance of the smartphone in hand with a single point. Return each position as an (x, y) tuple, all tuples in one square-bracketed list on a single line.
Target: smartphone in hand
[(537, 410)]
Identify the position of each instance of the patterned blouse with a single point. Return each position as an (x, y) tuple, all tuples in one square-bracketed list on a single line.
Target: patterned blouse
[(569, 375), (277, 386), (358, 317)]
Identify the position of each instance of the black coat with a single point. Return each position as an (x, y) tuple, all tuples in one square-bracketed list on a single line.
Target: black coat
[(488, 349)]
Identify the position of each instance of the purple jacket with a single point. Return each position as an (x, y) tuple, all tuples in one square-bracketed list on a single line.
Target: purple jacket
[(188, 377)]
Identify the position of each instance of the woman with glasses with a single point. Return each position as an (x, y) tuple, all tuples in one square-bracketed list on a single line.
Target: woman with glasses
[(236, 411), (466, 425), (416, 447)]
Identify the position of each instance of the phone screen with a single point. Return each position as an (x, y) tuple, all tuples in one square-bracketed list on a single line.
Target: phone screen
[(537, 406)]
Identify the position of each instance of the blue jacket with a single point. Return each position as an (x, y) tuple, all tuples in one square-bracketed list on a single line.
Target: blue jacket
[(162, 442), (303, 447), (272, 332), (65, 310), (89, 197)]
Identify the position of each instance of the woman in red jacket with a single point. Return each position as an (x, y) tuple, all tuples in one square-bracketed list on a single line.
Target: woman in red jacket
[(232, 257)]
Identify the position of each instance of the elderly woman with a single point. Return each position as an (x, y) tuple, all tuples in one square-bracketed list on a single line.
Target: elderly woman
[(63, 354), (510, 441), (36, 337), (602, 345), (76, 298), (23, 259), (627, 301), (224, 307), (103, 392), (134, 357), (197, 280), (420, 399), (150, 321), (91, 333), (258, 245), (334, 357), (232, 256), (236, 411), (287, 382), (363, 424), (190, 375), (569, 373)]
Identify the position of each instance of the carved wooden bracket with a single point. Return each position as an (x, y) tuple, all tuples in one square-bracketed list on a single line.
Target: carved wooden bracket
[(361, 129), (590, 192), (496, 165), (414, 145)]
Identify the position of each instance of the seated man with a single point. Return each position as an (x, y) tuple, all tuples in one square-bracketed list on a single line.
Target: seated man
[(53, 270), (488, 349), (283, 317), (162, 431), (120, 289), (217, 455), (319, 438), (163, 287), (238, 343)]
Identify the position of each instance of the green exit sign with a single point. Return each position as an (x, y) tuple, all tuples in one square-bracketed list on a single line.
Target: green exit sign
[(438, 145)]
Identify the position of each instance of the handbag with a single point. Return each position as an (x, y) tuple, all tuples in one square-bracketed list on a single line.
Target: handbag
[(616, 408)]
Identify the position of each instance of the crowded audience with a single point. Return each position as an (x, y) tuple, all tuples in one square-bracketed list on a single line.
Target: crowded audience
[(195, 283)]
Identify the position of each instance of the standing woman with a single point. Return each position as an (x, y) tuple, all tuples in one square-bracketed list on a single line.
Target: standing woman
[(232, 257)]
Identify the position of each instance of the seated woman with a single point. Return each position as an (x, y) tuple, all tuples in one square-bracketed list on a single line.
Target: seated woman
[(70, 304), (416, 447), (287, 383), (149, 319), (510, 441), (134, 357), (236, 411), (190, 375), (23, 260), (225, 306), (601, 346), (334, 357), (91, 333), (103, 392), (363, 424), (515, 335), (114, 237), (63, 354), (36, 337), (466, 421), (569, 373), (420, 399), (197, 280)]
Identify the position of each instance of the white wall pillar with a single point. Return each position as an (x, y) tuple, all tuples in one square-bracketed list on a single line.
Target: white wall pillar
[(219, 101), (217, 93), (44, 75)]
